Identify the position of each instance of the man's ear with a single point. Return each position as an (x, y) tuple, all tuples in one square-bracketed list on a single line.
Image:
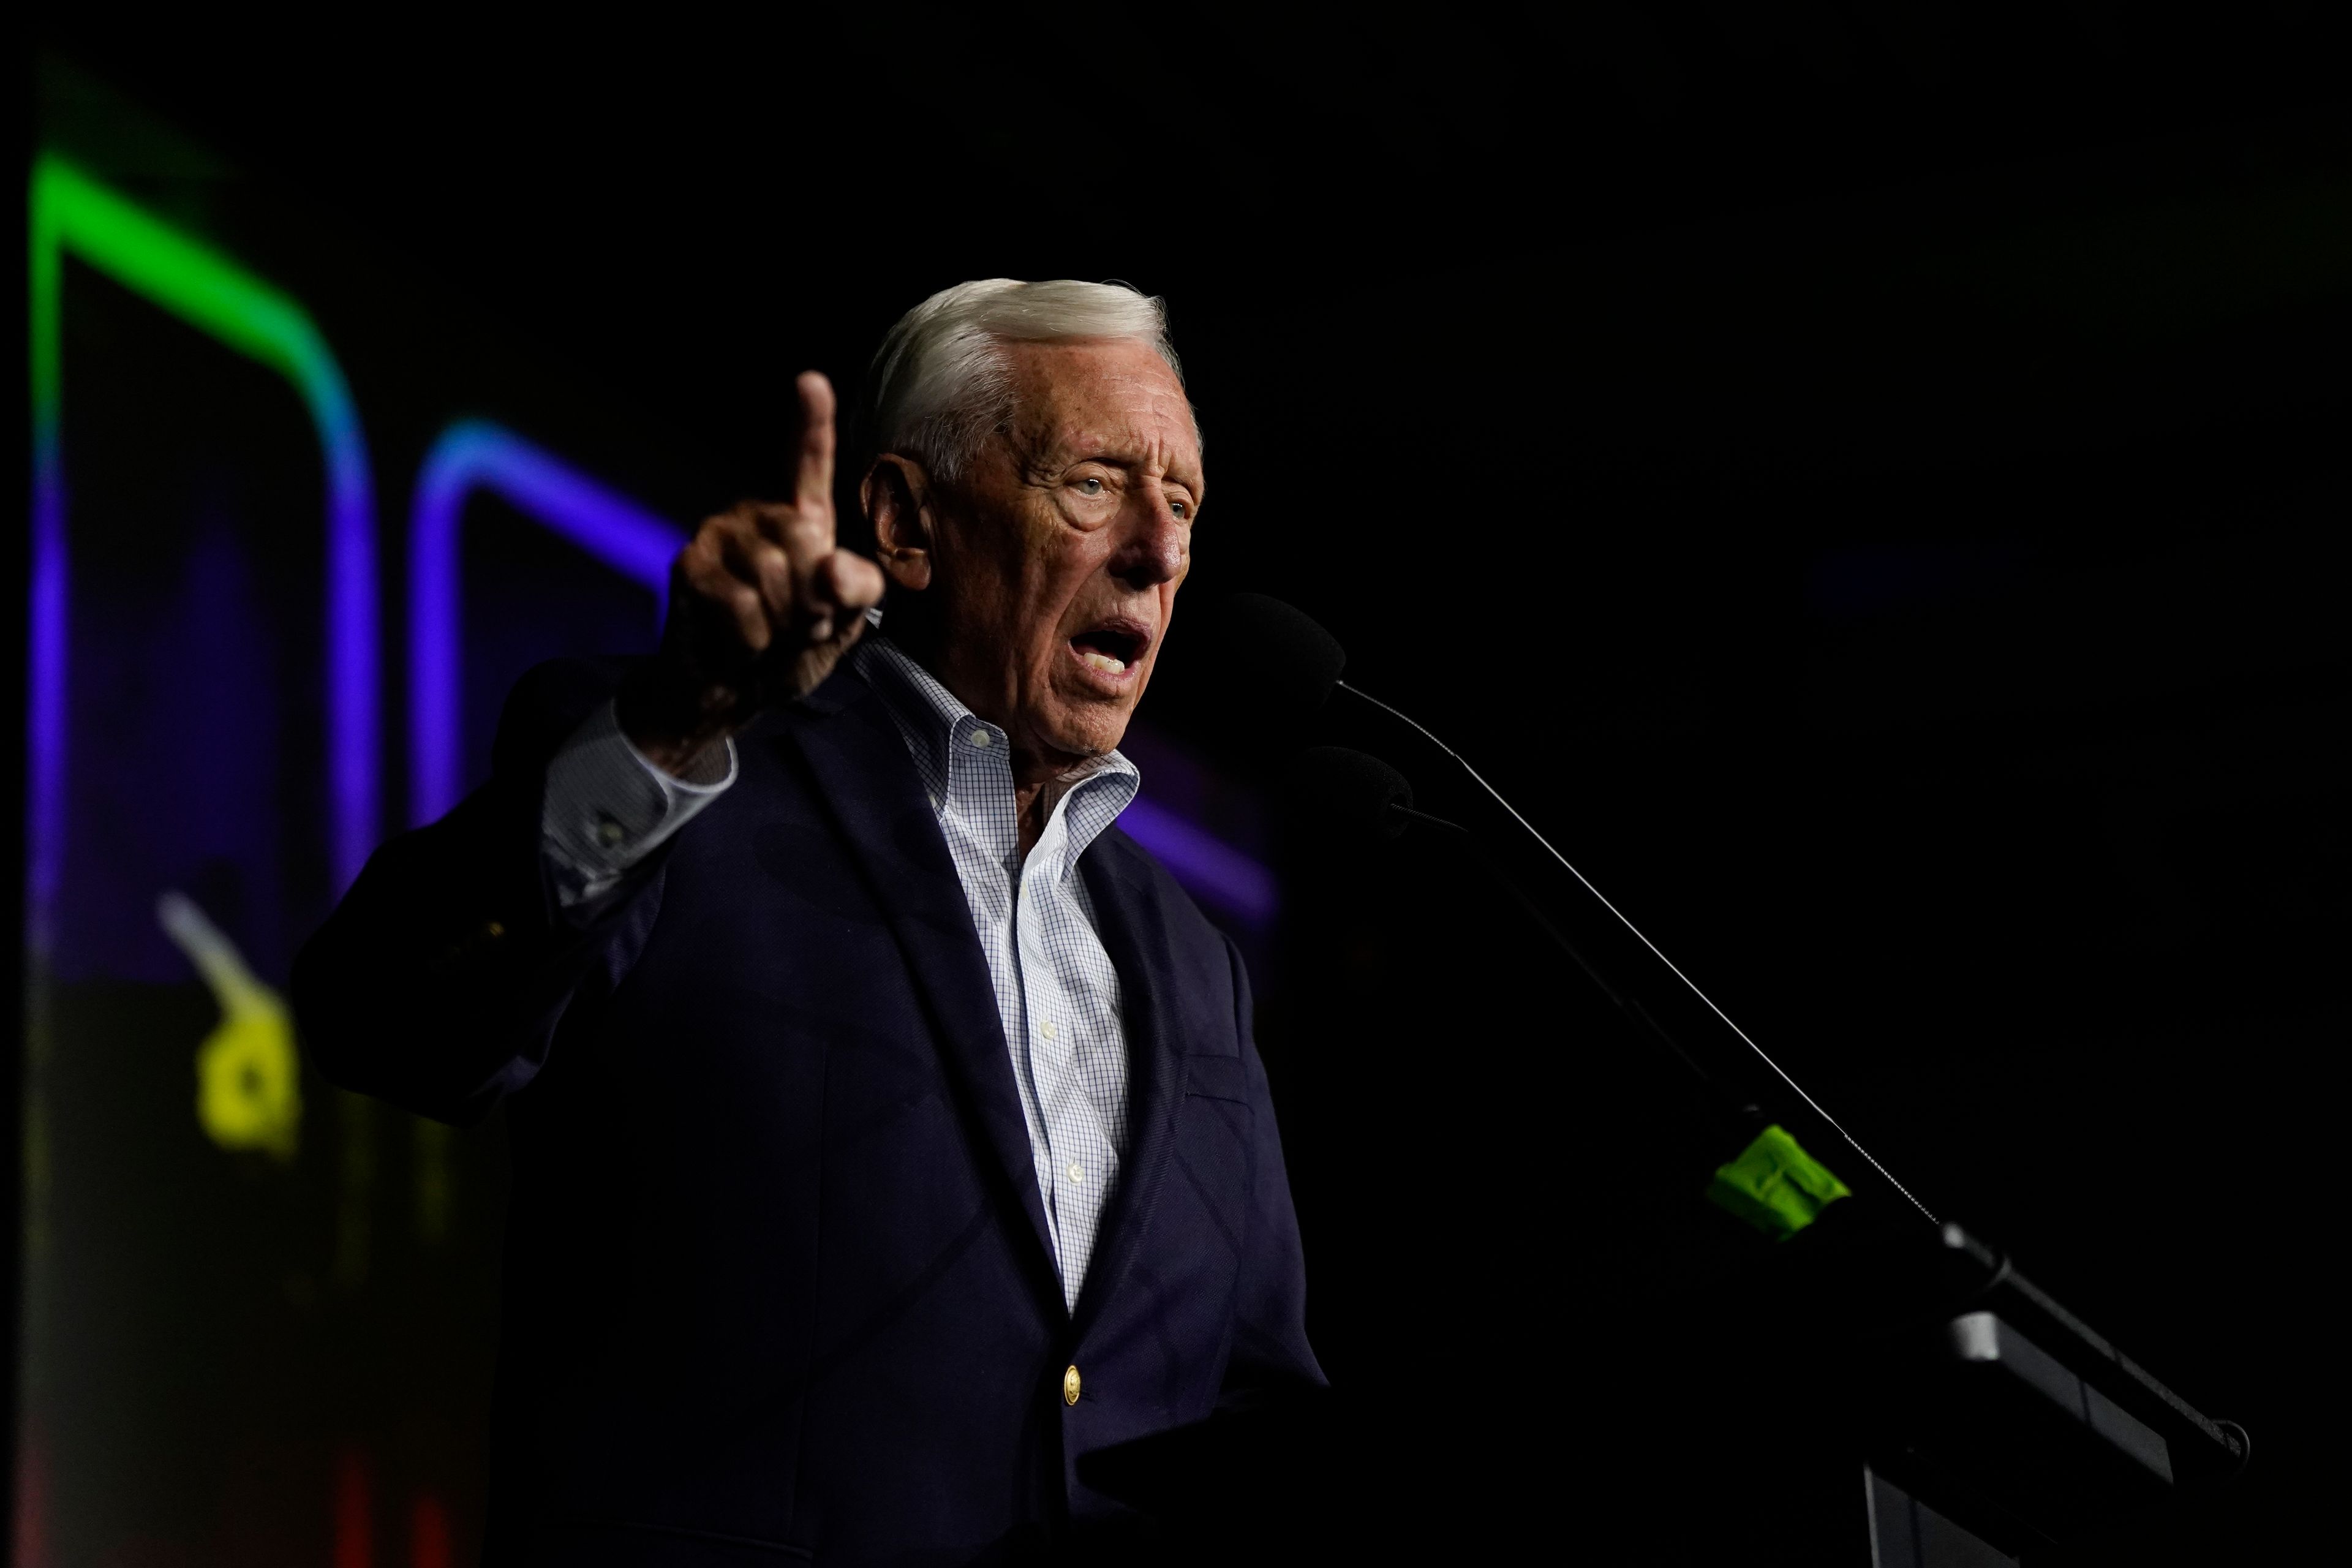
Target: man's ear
[(895, 494)]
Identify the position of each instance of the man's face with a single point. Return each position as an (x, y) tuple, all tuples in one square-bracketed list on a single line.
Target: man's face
[(1057, 559)]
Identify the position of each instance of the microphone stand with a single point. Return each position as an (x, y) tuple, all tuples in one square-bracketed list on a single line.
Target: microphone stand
[(1627, 1003)]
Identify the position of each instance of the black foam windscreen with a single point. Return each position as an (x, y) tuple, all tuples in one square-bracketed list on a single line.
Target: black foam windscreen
[(1271, 662), (1347, 788)]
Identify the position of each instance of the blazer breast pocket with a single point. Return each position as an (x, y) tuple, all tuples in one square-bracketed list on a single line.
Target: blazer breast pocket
[(1216, 1153)]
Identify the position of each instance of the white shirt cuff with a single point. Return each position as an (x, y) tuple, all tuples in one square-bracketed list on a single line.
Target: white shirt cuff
[(607, 807)]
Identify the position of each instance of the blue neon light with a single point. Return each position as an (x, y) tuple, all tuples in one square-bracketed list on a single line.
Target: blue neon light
[(477, 455)]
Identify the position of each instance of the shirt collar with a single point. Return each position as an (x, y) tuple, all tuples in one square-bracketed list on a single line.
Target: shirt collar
[(933, 722)]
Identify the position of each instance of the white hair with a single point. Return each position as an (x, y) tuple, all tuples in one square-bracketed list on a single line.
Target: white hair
[(939, 384)]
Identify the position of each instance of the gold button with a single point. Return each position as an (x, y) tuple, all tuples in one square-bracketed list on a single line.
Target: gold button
[(1070, 1384)]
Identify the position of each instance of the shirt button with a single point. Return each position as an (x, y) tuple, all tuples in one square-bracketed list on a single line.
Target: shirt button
[(979, 740), (1078, 1172), (608, 832), (1048, 1026)]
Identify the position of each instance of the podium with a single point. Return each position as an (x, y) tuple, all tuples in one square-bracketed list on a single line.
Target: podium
[(1876, 1391)]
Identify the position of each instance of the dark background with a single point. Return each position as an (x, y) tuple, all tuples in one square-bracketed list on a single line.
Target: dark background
[(1865, 476)]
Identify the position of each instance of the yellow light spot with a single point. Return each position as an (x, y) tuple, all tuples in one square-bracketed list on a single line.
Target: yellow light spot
[(248, 1076)]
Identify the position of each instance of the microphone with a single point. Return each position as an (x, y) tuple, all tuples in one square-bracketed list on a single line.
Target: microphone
[(1267, 667), (1275, 668), (1251, 674), (1356, 788)]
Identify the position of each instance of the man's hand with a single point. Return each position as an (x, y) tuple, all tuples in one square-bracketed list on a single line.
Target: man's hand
[(762, 608)]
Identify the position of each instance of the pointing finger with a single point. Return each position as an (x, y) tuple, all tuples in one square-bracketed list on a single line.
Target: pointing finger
[(814, 493)]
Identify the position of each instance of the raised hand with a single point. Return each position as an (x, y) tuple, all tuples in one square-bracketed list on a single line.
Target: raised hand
[(762, 606)]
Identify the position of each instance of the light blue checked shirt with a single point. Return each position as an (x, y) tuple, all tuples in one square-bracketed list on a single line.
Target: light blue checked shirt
[(1057, 995)]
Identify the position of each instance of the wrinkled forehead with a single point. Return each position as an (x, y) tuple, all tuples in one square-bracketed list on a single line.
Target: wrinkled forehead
[(1109, 397)]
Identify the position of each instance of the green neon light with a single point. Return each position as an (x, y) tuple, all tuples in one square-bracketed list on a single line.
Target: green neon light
[(1775, 1185), (72, 211), (191, 280)]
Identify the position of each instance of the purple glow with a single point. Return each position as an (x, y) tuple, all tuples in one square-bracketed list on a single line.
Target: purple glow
[(45, 720), (1208, 866), (353, 640), (476, 454)]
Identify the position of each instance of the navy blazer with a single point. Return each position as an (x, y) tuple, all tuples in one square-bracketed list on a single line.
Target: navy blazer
[(778, 1280)]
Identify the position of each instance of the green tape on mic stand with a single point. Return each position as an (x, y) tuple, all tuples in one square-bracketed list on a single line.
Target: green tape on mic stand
[(1775, 1185)]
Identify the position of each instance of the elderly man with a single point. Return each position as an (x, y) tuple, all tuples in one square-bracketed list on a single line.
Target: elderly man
[(887, 1129)]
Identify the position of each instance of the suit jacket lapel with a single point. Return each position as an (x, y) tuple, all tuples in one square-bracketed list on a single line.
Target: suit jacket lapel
[(870, 784), (1135, 935)]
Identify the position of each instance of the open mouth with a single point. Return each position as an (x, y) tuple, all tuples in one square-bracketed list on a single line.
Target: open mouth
[(1111, 649)]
